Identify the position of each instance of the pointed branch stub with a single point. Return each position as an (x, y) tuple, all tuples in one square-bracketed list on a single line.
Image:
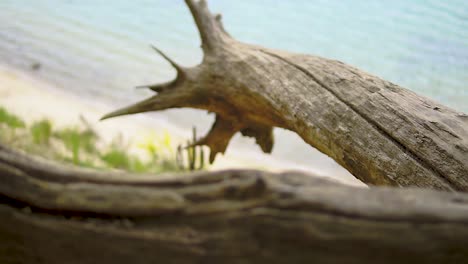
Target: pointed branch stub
[(180, 69), (166, 100), (157, 87)]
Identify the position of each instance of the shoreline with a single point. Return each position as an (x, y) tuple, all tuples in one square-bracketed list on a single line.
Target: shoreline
[(33, 99)]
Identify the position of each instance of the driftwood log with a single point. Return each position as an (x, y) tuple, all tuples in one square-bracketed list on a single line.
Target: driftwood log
[(53, 214), (382, 133)]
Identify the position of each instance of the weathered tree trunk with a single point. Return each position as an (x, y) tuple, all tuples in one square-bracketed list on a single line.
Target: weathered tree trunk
[(381, 133), (52, 214)]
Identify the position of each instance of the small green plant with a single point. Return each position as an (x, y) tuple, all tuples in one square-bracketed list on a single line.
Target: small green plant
[(41, 131), (116, 158), (10, 120), (138, 166), (76, 140), (157, 147)]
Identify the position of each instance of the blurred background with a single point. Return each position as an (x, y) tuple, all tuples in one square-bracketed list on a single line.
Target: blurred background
[(99, 50)]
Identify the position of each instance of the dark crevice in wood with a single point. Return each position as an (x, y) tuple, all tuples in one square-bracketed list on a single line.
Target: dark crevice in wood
[(28, 208), (283, 212), (288, 212)]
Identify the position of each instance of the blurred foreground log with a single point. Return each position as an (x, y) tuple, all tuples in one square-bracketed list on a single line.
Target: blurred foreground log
[(54, 214), (382, 133)]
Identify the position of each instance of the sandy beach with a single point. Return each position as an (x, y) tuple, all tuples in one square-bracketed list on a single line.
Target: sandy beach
[(32, 99)]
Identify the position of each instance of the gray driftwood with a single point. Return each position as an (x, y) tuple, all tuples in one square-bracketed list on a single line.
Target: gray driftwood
[(383, 134), (54, 214)]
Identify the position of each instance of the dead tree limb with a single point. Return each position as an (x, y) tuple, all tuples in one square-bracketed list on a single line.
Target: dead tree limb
[(54, 214), (383, 134)]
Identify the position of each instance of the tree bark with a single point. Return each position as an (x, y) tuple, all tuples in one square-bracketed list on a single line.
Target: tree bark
[(54, 214), (382, 133)]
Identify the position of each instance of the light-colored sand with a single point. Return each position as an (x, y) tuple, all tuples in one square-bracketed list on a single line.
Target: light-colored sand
[(33, 99)]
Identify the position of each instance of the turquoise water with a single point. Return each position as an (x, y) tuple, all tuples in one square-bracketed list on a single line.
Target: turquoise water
[(99, 49)]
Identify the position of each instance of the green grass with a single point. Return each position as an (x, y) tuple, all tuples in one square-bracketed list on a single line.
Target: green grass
[(10, 120), (78, 145), (41, 131), (77, 141)]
